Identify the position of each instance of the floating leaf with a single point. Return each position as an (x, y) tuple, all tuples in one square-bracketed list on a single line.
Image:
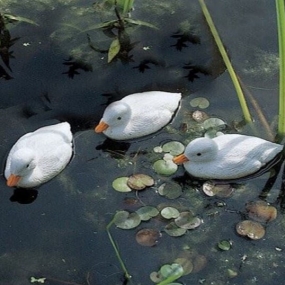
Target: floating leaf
[(260, 211), (169, 213), (126, 220), (120, 184), (175, 270), (37, 280), (148, 237), (173, 147), (165, 167), (171, 190), (224, 245), (186, 264), (147, 212), (199, 263), (155, 277), (251, 229), (140, 181), (186, 220), (140, 23), (200, 102), (157, 149), (114, 49), (173, 230)]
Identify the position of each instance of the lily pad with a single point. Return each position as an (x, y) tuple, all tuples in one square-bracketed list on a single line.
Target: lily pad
[(224, 245), (169, 213), (200, 102), (174, 269), (114, 49), (120, 184), (187, 220), (214, 123), (173, 147), (148, 237), (252, 229), (165, 167), (173, 230), (170, 190), (140, 181), (125, 220), (147, 212), (261, 211)]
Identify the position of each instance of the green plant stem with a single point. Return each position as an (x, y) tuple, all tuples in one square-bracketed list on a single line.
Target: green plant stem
[(280, 10), (227, 62), (127, 275)]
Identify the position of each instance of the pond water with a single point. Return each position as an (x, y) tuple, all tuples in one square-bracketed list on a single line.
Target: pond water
[(54, 73)]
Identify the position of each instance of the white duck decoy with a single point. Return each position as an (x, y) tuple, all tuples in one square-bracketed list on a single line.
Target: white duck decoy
[(139, 114), (228, 156), (39, 156)]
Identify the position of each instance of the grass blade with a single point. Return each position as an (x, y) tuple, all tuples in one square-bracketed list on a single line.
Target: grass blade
[(280, 10), (227, 62)]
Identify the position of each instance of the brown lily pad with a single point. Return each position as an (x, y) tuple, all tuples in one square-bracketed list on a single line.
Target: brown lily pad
[(261, 211), (148, 237), (251, 229), (140, 181)]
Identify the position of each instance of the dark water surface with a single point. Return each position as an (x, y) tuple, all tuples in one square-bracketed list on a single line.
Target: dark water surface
[(55, 76)]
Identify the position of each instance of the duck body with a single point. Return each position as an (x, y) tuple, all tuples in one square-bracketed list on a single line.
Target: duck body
[(39, 156), (229, 156), (138, 114)]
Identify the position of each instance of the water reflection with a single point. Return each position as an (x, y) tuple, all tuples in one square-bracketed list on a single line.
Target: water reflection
[(24, 196)]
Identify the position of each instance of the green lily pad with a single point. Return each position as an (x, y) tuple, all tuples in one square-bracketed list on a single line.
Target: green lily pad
[(171, 190), (120, 184), (125, 220), (147, 212), (169, 213), (200, 102), (165, 167), (187, 220), (140, 181), (214, 123), (173, 147), (158, 149), (224, 245), (173, 230), (173, 270)]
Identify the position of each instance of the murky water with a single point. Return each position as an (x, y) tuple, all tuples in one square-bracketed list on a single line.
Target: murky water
[(56, 75)]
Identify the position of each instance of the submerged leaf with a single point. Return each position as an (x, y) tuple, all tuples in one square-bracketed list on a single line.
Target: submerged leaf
[(200, 102), (114, 49), (186, 220), (148, 237), (186, 264), (260, 211), (171, 190), (19, 19), (126, 220), (173, 230), (175, 270)]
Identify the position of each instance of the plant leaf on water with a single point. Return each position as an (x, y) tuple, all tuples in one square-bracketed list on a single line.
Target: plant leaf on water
[(147, 212), (120, 184), (125, 220), (114, 49), (169, 213)]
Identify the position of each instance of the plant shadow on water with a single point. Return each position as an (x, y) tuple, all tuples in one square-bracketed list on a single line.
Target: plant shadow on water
[(54, 67)]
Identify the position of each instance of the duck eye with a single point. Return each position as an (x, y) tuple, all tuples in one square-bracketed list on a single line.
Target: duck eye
[(119, 118), (199, 154), (28, 165)]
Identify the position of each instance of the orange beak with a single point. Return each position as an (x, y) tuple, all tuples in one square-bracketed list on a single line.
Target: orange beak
[(101, 127), (13, 180), (180, 159)]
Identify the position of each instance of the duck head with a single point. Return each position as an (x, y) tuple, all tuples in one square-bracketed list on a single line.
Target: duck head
[(198, 150), (116, 114), (22, 164)]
